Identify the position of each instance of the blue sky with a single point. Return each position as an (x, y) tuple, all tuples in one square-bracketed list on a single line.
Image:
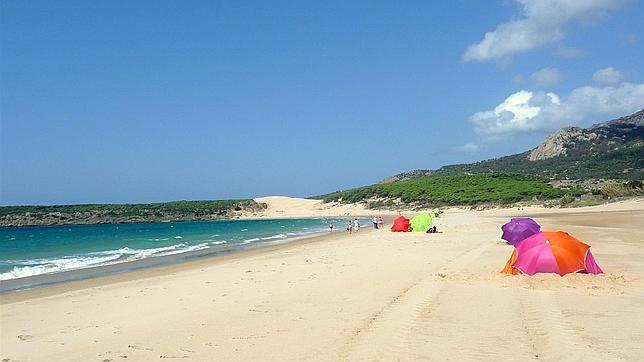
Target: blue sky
[(121, 101)]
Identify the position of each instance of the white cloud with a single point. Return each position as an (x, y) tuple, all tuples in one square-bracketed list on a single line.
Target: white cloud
[(468, 147), (542, 23), (529, 111), (546, 77), (608, 76)]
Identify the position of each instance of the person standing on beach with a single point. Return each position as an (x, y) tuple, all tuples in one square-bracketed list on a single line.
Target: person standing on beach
[(375, 222), (356, 225), (331, 227), (350, 227), (381, 223)]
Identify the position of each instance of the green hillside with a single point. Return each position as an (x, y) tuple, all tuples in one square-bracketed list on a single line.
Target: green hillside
[(458, 189), (124, 213)]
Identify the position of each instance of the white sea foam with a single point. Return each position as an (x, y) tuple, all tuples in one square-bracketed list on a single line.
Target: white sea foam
[(250, 240), (278, 236), (178, 237), (190, 248)]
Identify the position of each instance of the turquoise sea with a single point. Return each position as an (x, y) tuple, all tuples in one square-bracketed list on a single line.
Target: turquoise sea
[(34, 251)]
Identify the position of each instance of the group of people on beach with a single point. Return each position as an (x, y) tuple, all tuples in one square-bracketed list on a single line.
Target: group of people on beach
[(353, 226)]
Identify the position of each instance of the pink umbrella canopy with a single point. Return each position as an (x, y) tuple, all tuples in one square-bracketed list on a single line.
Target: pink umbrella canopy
[(519, 228), (552, 252)]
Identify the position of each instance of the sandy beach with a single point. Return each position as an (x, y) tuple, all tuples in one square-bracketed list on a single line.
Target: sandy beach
[(374, 295)]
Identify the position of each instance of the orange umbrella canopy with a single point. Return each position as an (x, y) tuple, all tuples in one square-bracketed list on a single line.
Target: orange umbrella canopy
[(551, 252)]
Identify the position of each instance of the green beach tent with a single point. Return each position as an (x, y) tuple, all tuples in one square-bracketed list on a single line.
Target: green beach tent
[(421, 223)]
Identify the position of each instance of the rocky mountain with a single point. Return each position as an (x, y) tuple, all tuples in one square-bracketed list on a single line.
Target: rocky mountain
[(609, 150), (611, 134)]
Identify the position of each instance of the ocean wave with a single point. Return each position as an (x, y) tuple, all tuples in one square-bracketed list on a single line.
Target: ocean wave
[(178, 237), (33, 267), (278, 236), (247, 241), (55, 266)]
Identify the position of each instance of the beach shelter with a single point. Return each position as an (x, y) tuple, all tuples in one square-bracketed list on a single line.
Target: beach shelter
[(519, 228), (421, 223), (551, 252), (401, 224)]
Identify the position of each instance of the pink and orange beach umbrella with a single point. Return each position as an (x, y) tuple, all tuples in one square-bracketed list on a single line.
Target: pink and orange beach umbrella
[(551, 252)]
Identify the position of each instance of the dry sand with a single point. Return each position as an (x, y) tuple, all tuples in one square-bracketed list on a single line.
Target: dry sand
[(376, 295), (284, 207)]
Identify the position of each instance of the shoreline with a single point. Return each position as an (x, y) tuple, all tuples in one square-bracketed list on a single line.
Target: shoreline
[(97, 271), (158, 268)]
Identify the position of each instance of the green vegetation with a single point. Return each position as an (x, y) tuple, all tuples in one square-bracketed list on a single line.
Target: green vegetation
[(123, 213), (174, 207), (456, 190)]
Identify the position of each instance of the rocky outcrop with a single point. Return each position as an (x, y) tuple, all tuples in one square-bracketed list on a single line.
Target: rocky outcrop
[(557, 143), (597, 138)]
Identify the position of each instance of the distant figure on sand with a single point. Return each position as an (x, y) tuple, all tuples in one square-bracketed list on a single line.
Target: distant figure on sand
[(331, 227), (356, 225), (381, 223), (350, 227), (375, 222)]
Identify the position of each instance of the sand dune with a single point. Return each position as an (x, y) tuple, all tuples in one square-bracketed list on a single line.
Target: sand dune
[(376, 295), (284, 206)]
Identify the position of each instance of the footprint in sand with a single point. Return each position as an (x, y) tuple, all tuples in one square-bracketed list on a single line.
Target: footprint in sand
[(25, 337)]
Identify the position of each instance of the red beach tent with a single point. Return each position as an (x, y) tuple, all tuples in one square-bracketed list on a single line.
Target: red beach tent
[(401, 224)]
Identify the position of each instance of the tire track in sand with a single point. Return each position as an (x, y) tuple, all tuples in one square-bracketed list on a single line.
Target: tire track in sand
[(471, 321), (387, 334), (551, 336)]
